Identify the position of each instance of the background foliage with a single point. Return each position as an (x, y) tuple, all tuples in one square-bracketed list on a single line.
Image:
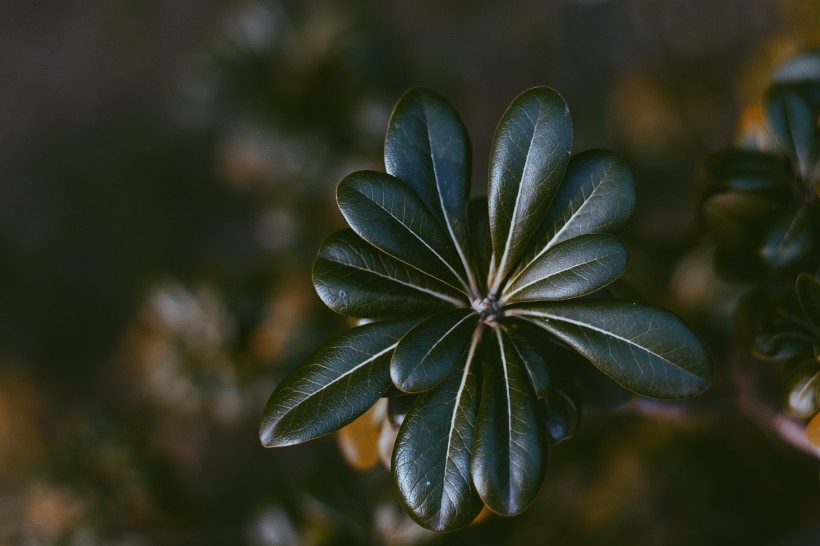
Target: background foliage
[(167, 172)]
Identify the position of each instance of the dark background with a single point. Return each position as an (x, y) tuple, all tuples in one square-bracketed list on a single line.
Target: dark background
[(167, 171)]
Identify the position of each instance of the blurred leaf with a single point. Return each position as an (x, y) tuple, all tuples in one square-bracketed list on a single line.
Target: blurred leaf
[(532, 349), (509, 455), (386, 213), (792, 117), (597, 195)]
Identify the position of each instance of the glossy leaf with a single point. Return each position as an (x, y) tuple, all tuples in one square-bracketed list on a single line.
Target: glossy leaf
[(385, 212), (481, 245), (737, 220), (801, 400), (563, 411), (596, 196), (333, 386), (750, 171), (355, 278), (804, 66), (431, 458), (509, 455), (430, 351), (645, 349), (532, 349), (573, 268), (781, 346), (427, 147), (529, 155)]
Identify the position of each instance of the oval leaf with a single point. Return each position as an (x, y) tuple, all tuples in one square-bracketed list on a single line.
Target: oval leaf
[(386, 213), (431, 350), (431, 458), (427, 147), (333, 386), (481, 246), (563, 415), (529, 154), (645, 349), (596, 196), (573, 268), (792, 118), (534, 350), (509, 459), (356, 279), (790, 240)]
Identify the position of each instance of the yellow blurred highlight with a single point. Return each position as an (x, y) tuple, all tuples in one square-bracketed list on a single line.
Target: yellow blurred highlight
[(359, 441), (813, 430)]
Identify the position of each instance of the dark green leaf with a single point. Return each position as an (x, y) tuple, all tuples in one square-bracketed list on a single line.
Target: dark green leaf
[(570, 269), (386, 213), (529, 155), (750, 171), (596, 196), (737, 220), (481, 245), (808, 294), (804, 66), (645, 349), (397, 408), (781, 346), (793, 120), (534, 350), (431, 458), (790, 240), (563, 415), (509, 455), (427, 147), (432, 349), (333, 386), (356, 279), (801, 399)]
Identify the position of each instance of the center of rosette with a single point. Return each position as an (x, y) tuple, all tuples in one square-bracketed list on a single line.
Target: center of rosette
[(488, 309)]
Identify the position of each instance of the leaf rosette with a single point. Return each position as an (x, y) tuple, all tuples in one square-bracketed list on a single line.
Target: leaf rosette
[(490, 316)]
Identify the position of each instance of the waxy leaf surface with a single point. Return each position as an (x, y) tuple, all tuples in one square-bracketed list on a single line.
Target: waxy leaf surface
[(427, 147), (428, 352), (431, 458), (356, 279), (385, 212), (648, 350), (333, 386), (529, 155), (509, 455)]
